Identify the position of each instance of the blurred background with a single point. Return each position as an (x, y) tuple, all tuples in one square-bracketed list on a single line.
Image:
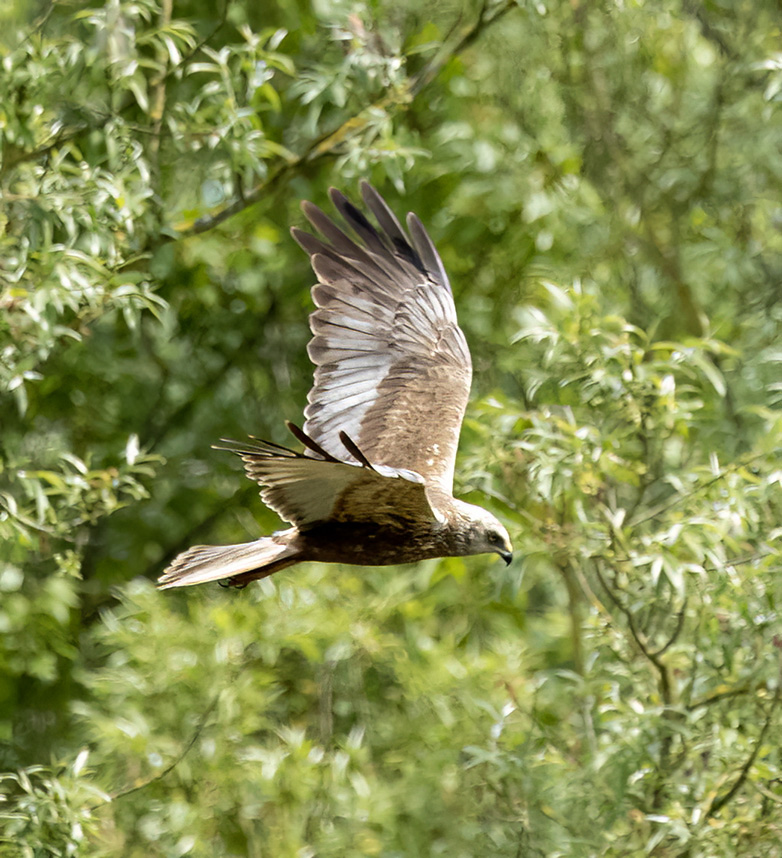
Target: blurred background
[(603, 183)]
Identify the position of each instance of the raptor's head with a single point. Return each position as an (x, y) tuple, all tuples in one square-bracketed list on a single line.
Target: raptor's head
[(482, 532)]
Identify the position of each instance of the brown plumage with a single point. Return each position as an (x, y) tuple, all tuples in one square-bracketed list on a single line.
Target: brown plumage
[(392, 377)]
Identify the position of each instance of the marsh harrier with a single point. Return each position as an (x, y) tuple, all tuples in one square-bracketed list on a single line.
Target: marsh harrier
[(373, 485)]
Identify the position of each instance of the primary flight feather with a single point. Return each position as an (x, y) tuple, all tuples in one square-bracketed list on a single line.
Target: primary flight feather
[(374, 483)]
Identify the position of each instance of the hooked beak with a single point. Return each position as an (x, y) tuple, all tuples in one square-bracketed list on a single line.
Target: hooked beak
[(507, 556)]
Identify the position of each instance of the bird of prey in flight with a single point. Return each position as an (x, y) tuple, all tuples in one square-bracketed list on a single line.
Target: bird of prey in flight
[(374, 483)]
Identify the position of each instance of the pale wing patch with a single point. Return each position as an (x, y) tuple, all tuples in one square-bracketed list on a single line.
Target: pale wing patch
[(305, 490)]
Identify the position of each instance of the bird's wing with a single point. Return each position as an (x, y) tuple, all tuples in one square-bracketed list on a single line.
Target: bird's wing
[(392, 367), (309, 489)]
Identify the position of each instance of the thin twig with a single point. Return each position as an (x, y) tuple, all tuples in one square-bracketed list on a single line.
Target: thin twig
[(575, 616), (720, 802), (653, 657), (174, 763), (40, 22), (666, 505), (715, 698), (766, 793), (676, 632), (486, 17)]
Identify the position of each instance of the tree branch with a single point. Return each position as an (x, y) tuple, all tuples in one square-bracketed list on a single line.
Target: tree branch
[(486, 17), (174, 763), (676, 632), (721, 695), (158, 100), (653, 657), (677, 499), (720, 802), (326, 145), (574, 611)]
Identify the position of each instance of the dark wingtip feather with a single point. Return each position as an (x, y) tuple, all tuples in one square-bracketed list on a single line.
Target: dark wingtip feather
[(359, 223), (354, 450), (300, 237), (336, 196), (385, 217), (256, 447), (426, 249), (308, 442)]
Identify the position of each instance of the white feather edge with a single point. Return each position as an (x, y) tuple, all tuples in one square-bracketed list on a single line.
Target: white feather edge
[(211, 563)]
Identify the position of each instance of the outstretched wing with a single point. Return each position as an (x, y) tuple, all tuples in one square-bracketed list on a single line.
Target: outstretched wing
[(308, 489), (392, 367)]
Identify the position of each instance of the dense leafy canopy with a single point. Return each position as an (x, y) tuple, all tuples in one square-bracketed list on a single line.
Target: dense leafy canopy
[(603, 181)]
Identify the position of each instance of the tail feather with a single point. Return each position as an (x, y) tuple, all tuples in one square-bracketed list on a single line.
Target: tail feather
[(240, 564)]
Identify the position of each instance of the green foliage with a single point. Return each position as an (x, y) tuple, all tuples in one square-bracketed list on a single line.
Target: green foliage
[(670, 563), (603, 182), (50, 812)]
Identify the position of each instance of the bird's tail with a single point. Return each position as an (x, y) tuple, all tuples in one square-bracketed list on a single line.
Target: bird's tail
[(239, 564)]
